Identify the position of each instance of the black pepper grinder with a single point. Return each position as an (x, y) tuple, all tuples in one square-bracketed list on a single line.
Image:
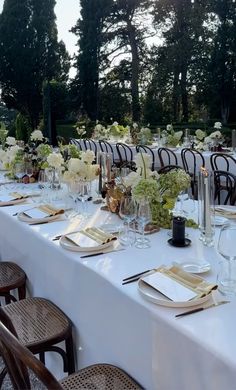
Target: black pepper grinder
[(178, 231)]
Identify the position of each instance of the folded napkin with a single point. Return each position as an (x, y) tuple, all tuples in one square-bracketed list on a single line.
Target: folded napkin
[(90, 237), (226, 212), (43, 211), (17, 195), (193, 282)]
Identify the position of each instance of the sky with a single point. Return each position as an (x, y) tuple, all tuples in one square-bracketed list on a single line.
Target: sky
[(67, 12)]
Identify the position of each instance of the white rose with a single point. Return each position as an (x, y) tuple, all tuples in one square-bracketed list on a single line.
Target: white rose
[(55, 160), (217, 125), (169, 127), (216, 134), (11, 141), (36, 135)]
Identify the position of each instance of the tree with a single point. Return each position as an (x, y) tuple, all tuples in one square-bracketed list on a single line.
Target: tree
[(29, 54), (89, 30), (127, 32), (220, 86), (182, 23)]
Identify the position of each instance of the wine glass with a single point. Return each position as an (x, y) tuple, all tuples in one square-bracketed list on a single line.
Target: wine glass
[(227, 271), (19, 170), (43, 184), (143, 218), (127, 212)]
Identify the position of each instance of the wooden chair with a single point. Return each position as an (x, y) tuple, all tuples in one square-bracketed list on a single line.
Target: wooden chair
[(167, 157), (77, 143), (222, 162), (12, 277), (40, 325), (192, 161), (106, 147), (90, 144), (225, 187), (168, 168), (146, 149), (19, 360), (125, 154)]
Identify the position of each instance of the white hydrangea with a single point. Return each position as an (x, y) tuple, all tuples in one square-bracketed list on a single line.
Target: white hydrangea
[(36, 135), (200, 134), (88, 156), (2, 155), (55, 160), (216, 134), (217, 125), (178, 134), (80, 170), (11, 141)]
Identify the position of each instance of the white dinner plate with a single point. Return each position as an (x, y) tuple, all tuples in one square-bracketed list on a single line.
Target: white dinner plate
[(154, 296), (195, 267), (69, 245), (12, 202), (24, 218), (112, 228)]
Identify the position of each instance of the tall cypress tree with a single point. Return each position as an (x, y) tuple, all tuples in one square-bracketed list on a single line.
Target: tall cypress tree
[(29, 54), (89, 30)]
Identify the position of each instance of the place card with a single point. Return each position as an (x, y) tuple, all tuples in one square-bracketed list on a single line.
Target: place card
[(36, 213), (169, 288), (81, 239)]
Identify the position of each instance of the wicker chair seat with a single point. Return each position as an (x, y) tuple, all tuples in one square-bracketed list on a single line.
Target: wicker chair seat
[(11, 277), (100, 376), (37, 320)]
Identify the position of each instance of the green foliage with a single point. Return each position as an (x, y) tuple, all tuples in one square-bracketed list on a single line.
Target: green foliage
[(22, 128), (29, 54)]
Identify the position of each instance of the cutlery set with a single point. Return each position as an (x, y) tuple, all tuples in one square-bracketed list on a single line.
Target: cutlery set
[(135, 277)]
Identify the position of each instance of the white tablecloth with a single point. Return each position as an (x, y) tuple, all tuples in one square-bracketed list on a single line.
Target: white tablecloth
[(114, 323)]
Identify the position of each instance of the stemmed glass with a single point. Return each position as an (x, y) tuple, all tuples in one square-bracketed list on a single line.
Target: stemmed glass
[(128, 209), (143, 218), (19, 170), (226, 248), (83, 195)]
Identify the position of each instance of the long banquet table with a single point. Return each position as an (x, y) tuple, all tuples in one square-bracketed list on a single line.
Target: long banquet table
[(115, 323)]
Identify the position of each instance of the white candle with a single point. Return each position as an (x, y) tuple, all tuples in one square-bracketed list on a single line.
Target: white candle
[(207, 210)]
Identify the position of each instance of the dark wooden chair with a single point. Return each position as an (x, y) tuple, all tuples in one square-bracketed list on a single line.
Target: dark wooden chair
[(77, 143), (106, 147), (168, 168), (12, 277), (19, 360), (125, 154), (192, 161), (146, 149), (90, 144), (222, 161), (40, 326), (167, 157), (225, 187)]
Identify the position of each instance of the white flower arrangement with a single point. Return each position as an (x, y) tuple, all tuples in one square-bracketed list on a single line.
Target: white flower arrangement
[(11, 141), (81, 169), (55, 160), (81, 130), (100, 132), (36, 135)]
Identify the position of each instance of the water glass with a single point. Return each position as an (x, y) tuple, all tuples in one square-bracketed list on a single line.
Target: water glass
[(127, 212), (143, 218), (227, 268)]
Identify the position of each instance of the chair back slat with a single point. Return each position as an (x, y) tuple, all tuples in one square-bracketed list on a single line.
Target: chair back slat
[(90, 144), (125, 154), (167, 157), (225, 187), (222, 162)]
